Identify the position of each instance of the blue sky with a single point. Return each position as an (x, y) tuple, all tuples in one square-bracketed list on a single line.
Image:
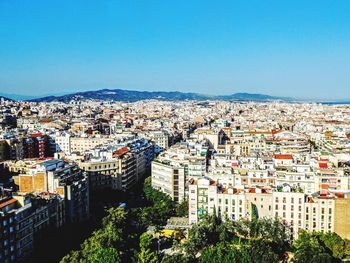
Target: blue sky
[(289, 48)]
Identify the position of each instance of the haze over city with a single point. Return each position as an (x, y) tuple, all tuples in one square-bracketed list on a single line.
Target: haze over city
[(281, 48)]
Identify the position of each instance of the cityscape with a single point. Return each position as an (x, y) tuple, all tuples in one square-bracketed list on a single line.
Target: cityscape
[(64, 165), (161, 132)]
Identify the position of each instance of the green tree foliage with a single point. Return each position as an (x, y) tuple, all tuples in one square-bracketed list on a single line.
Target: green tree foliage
[(73, 257), (182, 208), (221, 253), (105, 255), (205, 233), (105, 243), (175, 258), (255, 214), (147, 253), (161, 206), (260, 240), (335, 244), (320, 247)]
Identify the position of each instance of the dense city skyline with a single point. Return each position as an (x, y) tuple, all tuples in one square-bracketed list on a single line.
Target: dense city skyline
[(289, 48)]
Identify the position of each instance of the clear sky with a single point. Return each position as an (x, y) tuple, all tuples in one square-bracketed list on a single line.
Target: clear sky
[(290, 48)]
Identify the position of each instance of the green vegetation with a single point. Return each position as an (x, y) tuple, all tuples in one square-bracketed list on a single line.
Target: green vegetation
[(313, 144), (160, 208), (105, 244), (120, 237), (320, 247), (147, 253), (257, 240), (182, 209), (123, 238)]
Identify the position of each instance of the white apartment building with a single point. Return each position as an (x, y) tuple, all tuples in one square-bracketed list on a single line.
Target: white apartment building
[(304, 180), (319, 214), (63, 143), (169, 178), (290, 208), (205, 198)]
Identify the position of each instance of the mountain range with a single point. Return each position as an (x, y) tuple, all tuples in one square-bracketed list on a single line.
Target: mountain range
[(132, 95), (5, 98)]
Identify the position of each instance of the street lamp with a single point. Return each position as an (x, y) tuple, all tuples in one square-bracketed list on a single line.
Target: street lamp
[(159, 242)]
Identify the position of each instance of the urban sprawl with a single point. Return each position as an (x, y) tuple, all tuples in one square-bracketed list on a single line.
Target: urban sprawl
[(234, 159)]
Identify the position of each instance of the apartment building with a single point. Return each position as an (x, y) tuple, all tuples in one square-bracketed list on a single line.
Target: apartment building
[(119, 164), (63, 142), (320, 213), (16, 228), (72, 184), (169, 179), (102, 173), (290, 208), (59, 177), (342, 215), (173, 168), (206, 197), (83, 144)]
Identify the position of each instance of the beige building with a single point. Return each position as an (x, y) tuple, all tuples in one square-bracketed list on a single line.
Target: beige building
[(341, 217), (83, 144), (102, 174)]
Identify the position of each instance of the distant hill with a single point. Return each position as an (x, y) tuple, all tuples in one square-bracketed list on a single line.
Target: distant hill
[(17, 96), (132, 95), (252, 97), (5, 98)]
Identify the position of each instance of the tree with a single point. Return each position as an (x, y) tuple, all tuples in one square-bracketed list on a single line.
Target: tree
[(160, 209), (335, 243), (258, 240), (146, 241), (175, 258), (105, 255), (221, 253), (310, 248), (73, 257), (102, 245), (254, 210), (147, 253), (182, 209), (147, 256)]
